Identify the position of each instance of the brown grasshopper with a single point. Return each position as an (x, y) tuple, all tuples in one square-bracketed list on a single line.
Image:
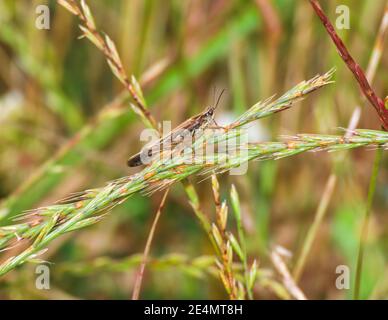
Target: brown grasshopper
[(177, 135)]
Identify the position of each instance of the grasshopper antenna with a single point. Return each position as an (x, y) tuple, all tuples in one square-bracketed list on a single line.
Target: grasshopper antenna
[(219, 98), (214, 107)]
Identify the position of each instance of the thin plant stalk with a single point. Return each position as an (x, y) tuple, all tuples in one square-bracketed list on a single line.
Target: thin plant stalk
[(370, 73), (140, 274), (354, 67), (378, 47), (241, 236), (307, 244), (365, 222)]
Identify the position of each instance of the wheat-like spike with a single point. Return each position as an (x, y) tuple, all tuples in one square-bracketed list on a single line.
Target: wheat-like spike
[(84, 208), (70, 216)]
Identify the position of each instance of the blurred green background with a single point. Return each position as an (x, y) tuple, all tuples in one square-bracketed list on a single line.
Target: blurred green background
[(66, 125)]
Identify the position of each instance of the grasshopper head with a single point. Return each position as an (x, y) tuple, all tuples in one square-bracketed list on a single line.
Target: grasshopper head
[(210, 110)]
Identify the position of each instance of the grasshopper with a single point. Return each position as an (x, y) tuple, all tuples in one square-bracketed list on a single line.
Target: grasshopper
[(169, 142)]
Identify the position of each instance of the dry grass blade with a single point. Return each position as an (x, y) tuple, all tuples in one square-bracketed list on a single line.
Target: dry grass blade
[(288, 282), (328, 191), (378, 47)]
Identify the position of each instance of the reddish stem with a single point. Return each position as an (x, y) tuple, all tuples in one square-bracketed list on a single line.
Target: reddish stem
[(358, 73)]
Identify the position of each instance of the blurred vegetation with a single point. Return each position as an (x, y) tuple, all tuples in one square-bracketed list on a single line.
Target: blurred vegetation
[(66, 125)]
